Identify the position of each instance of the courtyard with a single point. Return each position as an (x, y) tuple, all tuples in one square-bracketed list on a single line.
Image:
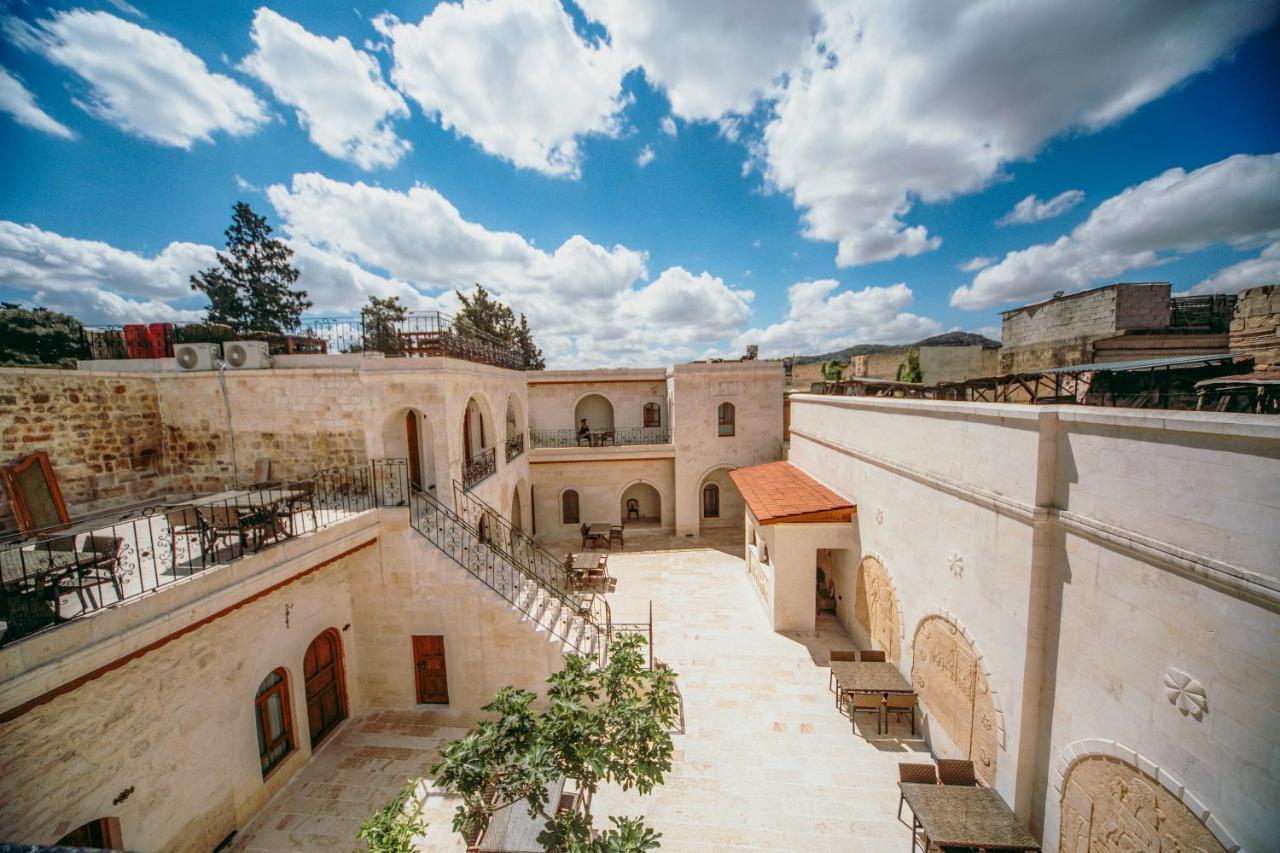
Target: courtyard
[(764, 760)]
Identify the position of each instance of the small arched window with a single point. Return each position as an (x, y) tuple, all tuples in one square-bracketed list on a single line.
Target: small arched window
[(275, 722), (710, 501), (753, 536), (764, 553), (725, 419), (569, 507), (652, 415)]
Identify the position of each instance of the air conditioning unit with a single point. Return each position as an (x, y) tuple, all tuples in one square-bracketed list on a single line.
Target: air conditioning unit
[(196, 356), (246, 355)]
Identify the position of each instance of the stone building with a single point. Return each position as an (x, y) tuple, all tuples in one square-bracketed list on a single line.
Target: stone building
[(1255, 326)]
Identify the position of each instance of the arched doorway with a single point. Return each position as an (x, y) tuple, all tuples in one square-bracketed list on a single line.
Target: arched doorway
[(326, 685), (475, 435), (948, 676), (596, 410), (514, 428), (517, 515), (641, 506), (100, 834), (1108, 804), (720, 504), (408, 435)]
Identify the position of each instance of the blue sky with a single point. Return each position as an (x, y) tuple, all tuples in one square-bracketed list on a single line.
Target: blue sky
[(649, 184)]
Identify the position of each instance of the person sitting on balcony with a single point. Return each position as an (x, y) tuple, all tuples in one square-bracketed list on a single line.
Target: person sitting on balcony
[(584, 432)]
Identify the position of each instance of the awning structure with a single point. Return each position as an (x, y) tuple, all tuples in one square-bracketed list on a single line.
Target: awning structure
[(779, 492)]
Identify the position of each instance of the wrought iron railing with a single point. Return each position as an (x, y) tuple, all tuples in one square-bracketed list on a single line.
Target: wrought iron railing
[(600, 438), (478, 467), (419, 334), (515, 446), (580, 620), (51, 576)]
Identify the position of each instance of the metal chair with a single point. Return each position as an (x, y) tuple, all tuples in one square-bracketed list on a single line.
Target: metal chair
[(899, 704), (871, 656), (99, 561), (862, 702), (633, 509), (920, 774), (956, 771), (615, 534), (845, 655)]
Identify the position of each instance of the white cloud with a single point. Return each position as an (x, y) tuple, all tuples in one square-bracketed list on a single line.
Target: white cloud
[(18, 102), (645, 156), (820, 320), (142, 81), (975, 264), (513, 76), (337, 285), (338, 91), (918, 101), (1264, 269), (668, 125), (1235, 201), (587, 304), (1032, 209), (712, 56)]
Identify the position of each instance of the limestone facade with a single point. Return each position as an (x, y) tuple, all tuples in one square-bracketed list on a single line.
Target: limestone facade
[(1111, 573)]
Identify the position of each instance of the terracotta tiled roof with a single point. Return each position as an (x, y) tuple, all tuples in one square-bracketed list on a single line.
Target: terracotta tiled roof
[(779, 491)]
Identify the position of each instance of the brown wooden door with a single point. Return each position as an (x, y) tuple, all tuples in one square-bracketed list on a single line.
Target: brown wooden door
[(429, 670), (415, 448), (326, 699)]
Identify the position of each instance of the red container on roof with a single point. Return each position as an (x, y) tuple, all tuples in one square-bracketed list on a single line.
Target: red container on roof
[(137, 341), (161, 335)]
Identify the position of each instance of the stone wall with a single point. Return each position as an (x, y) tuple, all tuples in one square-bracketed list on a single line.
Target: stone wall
[(1109, 570), (599, 483), (937, 364), (102, 433), (1255, 326), (554, 393)]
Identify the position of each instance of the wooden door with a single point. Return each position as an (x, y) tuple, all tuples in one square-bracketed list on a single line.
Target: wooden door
[(415, 448), (326, 693), (429, 670)]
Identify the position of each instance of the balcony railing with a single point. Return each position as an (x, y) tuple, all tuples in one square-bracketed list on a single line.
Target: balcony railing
[(55, 575), (420, 334), (620, 437), (478, 467), (515, 446)]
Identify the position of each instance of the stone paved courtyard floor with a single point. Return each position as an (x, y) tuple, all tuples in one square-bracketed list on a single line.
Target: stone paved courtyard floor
[(764, 762)]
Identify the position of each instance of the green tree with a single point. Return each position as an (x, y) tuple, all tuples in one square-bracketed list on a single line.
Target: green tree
[(379, 320), (30, 336), (485, 316), (909, 370), (529, 351), (832, 371), (251, 288), (391, 829), (603, 724)]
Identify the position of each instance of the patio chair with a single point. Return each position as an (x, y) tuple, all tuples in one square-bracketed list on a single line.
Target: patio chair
[(846, 655), (303, 501), (956, 771), (922, 774), (615, 534), (898, 704), (871, 656), (633, 509), (219, 522), (99, 561), (184, 523), (858, 701), (586, 535), (607, 438)]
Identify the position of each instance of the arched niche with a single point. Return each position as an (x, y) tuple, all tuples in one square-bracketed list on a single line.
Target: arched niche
[(728, 504), (477, 428), (1108, 805), (876, 607), (597, 410), (641, 505), (408, 434), (948, 675)]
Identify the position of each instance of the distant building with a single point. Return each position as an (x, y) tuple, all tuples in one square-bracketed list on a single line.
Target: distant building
[(1113, 323)]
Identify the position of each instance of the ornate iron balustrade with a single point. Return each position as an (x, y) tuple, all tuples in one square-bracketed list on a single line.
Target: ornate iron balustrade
[(515, 446), (51, 576), (477, 550), (479, 466), (623, 436)]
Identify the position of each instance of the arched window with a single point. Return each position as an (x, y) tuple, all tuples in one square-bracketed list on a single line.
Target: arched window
[(725, 418), (275, 723), (652, 415), (764, 553), (753, 535), (710, 501), (569, 507)]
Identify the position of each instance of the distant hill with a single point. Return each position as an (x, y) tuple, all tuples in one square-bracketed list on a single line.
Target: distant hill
[(946, 339)]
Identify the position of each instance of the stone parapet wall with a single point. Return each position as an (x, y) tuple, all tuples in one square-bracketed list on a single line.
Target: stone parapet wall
[(1102, 311), (1255, 326), (103, 434)]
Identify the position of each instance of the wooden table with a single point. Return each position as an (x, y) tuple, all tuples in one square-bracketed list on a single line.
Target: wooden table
[(511, 830), (588, 561), (966, 816), (598, 530), (869, 677)]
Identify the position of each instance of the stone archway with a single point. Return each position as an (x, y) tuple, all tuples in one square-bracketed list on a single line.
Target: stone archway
[(948, 675), (876, 607), (1110, 806)]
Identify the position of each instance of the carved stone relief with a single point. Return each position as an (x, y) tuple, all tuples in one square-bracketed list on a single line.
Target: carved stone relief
[(1109, 806), (956, 564), (953, 689), (1185, 693), (876, 607)]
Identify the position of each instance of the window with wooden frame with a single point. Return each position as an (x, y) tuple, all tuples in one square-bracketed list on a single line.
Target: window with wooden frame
[(652, 415), (710, 501), (275, 722), (725, 418), (569, 507)]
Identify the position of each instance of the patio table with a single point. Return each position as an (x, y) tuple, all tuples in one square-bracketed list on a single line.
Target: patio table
[(587, 561), (510, 828), (966, 816), (869, 677)]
